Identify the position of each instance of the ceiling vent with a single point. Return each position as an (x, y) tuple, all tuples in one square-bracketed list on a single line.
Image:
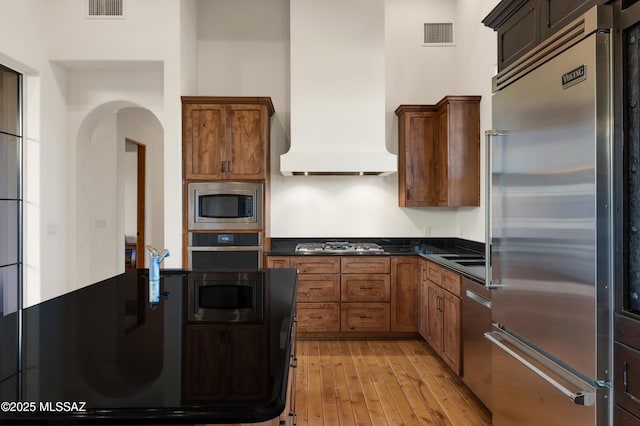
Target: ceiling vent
[(105, 9), (438, 34)]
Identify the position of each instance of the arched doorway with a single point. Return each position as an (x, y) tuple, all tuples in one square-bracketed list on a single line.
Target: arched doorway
[(101, 179)]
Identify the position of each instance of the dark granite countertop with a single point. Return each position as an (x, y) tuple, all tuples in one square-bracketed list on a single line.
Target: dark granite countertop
[(429, 248), (105, 349)]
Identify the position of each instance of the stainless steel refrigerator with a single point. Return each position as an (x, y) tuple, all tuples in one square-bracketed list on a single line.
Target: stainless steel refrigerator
[(550, 229)]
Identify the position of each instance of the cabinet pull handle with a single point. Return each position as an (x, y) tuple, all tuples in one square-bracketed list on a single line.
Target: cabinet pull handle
[(222, 166), (313, 316), (315, 288), (408, 194), (229, 166), (365, 316), (366, 288)]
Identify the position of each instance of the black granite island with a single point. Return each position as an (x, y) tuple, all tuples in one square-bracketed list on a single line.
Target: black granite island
[(105, 355)]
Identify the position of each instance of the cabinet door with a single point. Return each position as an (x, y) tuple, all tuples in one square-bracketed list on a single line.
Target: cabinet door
[(248, 362), (443, 155), (418, 160), (519, 33), (459, 151), (245, 152), (203, 127), (434, 316), (451, 331), (423, 309), (202, 376), (558, 13), (404, 293)]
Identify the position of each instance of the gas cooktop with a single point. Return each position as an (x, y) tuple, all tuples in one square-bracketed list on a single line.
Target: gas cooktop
[(338, 247)]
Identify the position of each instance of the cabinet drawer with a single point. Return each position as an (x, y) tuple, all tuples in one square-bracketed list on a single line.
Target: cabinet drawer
[(365, 288), (365, 317), (318, 317), (278, 262), (364, 265), (318, 288), (316, 264), (451, 282), (434, 273), (627, 378)]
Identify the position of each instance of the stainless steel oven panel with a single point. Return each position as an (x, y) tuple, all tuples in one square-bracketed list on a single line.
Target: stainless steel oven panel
[(229, 249), (255, 190)]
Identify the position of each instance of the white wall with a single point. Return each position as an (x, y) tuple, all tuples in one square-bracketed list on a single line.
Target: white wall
[(243, 49), (476, 64), (62, 54), (79, 71), (24, 37)]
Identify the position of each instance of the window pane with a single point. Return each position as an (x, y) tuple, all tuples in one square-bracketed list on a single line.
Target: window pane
[(9, 166), (8, 290), (8, 232), (9, 102)]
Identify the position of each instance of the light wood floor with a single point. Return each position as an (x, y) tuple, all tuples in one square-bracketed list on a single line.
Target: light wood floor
[(380, 382)]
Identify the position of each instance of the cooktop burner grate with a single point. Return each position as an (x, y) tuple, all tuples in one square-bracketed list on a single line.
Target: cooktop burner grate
[(338, 247)]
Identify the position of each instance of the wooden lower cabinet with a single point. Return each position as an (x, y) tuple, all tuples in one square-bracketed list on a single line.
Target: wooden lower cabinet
[(423, 306), (318, 288), (354, 295), (440, 313), (319, 317), (278, 262), (404, 293), (451, 330), (217, 365), (434, 316), (364, 317), (365, 288)]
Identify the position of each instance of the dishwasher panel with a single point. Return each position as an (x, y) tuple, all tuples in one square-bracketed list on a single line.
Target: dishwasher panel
[(476, 349)]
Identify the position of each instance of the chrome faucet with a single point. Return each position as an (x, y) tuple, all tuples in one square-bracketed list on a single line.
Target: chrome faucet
[(154, 273)]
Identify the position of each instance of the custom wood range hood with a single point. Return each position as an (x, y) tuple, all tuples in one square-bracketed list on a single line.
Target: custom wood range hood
[(337, 89)]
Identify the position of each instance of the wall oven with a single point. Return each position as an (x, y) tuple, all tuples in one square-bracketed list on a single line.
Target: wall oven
[(225, 205), (224, 250)]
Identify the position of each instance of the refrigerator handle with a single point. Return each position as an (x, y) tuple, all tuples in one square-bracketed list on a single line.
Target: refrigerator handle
[(488, 137), (586, 398)]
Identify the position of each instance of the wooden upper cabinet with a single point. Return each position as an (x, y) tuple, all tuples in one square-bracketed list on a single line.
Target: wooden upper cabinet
[(524, 24), (439, 153), (226, 138), (459, 151), (417, 155)]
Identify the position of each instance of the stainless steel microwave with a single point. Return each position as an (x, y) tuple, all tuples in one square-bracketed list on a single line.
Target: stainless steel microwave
[(225, 205)]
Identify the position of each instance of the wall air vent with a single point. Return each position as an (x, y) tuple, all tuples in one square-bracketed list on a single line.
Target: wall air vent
[(105, 9), (438, 34)]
